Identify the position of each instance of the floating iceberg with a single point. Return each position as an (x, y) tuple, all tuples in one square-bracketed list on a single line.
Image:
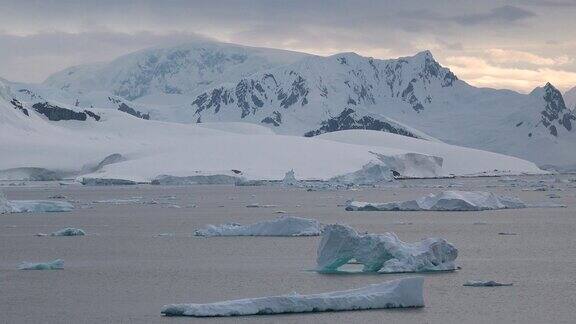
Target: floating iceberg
[(370, 173), (290, 179), (491, 283), (383, 253), (69, 231), (407, 292), (33, 206), (283, 226), (444, 201), (54, 265)]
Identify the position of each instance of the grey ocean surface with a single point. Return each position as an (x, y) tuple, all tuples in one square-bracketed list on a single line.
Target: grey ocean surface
[(123, 272)]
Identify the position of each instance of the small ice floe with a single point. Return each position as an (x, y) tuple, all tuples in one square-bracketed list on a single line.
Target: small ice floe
[(507, 233), (57, 197), (444, 201), (280, 212), (131, 200), (383, 253), (406, 292), (54, 265), (164, 235), (69, 231), (554, 195), (32, 206), (283, 226), (480, 283), (257, 205)]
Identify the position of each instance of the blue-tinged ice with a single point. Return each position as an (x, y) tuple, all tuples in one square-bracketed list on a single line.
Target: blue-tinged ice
[(54, 265), (383, 253)]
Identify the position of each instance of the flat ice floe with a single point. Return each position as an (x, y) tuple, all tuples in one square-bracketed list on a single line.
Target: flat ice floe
[(491, 283), (54, 265), (33, 206), (69, 231), (383, 253), (444, 201), (282, 226), (407, 292)]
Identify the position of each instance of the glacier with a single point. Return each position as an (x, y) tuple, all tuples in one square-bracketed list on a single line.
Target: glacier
[(383, 253), (450, 200), (401, 293), (54, 265), (282, 226)]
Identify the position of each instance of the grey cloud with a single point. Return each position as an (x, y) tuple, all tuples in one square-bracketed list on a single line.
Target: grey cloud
[(500, 15)]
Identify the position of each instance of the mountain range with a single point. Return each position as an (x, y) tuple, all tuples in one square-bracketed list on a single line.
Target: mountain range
[(308, 95)]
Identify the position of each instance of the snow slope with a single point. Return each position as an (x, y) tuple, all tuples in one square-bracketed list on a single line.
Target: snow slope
[(570, 98), (457, 160)]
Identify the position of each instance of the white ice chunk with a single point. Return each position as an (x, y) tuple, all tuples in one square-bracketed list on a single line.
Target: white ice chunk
[(370, 173), (290, 179), (69, 231), (407, 292), (480, 283), (444, 201), (283, 226), (54, 265), (382, 252)]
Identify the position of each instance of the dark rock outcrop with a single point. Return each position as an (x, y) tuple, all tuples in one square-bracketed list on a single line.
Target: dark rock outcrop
[(55, 113), (349, 119), (127, 109)]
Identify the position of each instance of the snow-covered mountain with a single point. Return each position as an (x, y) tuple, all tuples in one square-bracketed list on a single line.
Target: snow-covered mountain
[(52, 139), (308, 95), (182, 69)]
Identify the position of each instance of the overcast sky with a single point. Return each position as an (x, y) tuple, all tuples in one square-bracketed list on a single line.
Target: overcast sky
[(517, 44)]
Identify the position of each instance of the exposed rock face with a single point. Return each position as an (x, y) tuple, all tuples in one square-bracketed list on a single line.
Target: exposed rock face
[(127, 109), (555, 111), (349, 119), (363, 81), (275, 119), (18, 105), (55, 113)]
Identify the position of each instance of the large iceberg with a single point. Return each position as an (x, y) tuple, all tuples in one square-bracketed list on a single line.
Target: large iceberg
[(32, 206), (54, 265), (407, 292), (444, 201), (382, 252), (370, 173), (282, 226)]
